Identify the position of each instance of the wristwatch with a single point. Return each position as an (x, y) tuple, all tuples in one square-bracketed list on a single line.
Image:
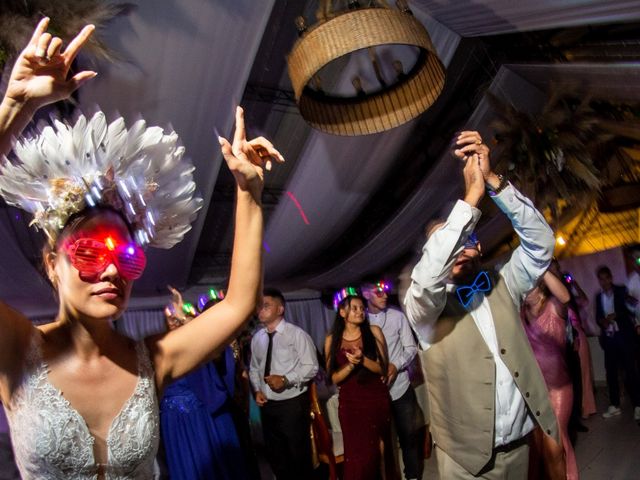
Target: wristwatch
[(501, 186)]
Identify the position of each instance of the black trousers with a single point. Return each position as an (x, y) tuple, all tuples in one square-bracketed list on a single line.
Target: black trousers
[(620, 353), (409, 421), (286, 428)]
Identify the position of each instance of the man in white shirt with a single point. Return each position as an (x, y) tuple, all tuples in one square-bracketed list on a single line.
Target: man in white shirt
[(407, 414), (619, 341), (486, 391), (283, 362), (633, 282)]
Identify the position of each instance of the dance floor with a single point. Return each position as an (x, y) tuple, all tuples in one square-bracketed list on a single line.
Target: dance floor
[(608, 451)]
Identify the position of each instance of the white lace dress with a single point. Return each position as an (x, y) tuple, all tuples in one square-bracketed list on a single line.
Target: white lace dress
[(51, 439)]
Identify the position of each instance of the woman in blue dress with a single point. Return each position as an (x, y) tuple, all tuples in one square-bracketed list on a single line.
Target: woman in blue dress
[(198, 433)]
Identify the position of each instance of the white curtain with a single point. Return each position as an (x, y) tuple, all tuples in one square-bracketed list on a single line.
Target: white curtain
[(309, 314), (312, 316), (491, 17)]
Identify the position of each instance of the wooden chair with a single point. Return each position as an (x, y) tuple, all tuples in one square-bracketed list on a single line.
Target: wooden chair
[(322, 436)]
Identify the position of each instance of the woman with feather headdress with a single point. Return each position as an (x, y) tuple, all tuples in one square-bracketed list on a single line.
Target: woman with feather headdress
[(80, 398)]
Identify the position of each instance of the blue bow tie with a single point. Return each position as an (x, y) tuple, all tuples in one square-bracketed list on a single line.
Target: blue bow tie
[(465, 293)]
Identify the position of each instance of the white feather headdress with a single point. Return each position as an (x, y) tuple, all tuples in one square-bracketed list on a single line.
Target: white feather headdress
[(140, 172)]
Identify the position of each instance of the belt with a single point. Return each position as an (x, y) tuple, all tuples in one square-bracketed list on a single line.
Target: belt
[(508, 447)]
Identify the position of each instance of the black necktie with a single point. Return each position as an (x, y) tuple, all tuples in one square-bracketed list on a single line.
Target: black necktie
[(267, 363)]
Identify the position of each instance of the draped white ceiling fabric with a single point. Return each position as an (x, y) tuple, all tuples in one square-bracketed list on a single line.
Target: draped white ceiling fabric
[(187, 64), (334, 178), (434, 198), (616, 81), (181, 64), (470, 18)]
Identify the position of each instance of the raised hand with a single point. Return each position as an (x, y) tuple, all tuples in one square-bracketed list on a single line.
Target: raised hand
[(176, 297), (470, 143), (248, 159), (473, 180), (475, 154), (40, 74), (173, 312)]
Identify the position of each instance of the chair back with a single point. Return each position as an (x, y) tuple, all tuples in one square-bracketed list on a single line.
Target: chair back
[(321, 434)]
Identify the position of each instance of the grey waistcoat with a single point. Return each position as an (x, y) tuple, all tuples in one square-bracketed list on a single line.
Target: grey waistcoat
[(461, 378)]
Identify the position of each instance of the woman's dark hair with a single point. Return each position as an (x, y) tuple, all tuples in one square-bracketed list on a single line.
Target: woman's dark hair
[(369, 343), (274, 293)]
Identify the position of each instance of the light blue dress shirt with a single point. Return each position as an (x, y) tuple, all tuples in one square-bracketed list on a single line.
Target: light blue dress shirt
[(426, 296), (293, 355)]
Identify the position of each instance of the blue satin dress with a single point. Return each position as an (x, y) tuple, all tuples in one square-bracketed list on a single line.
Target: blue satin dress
[(198, 432)]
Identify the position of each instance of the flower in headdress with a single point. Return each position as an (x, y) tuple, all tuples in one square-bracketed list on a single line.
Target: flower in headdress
[(139, 172)]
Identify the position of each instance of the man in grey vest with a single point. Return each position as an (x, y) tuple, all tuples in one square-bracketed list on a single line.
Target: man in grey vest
[(486, 390)]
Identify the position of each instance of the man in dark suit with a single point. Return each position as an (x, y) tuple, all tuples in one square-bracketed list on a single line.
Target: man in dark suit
[(618, 340)]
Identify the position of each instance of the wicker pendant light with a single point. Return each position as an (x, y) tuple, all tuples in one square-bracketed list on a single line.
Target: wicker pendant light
[(344, 33)]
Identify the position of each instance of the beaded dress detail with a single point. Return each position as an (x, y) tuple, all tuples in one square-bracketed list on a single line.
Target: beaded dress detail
[(51, 439)]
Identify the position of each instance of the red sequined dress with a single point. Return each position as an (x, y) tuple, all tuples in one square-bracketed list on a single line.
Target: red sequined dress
[(365, 417)]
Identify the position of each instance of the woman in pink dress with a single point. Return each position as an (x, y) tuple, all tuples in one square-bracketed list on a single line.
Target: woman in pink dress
[(545, 323), (588, 401), (577, 308)]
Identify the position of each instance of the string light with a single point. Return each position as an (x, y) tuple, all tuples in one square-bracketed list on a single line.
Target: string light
[(189, 309), (340, 295), (383, 286)]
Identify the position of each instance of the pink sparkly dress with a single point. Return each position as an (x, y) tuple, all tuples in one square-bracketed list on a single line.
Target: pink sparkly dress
[(584, 353), (547, 335)]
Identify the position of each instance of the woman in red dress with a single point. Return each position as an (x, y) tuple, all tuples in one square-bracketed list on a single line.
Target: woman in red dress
[(356, 354)]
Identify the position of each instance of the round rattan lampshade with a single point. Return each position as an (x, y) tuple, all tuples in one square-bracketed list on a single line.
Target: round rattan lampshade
[(346, 33)]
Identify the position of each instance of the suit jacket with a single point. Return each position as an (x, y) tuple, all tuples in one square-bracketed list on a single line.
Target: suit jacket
[(461, 379), (624, 316)]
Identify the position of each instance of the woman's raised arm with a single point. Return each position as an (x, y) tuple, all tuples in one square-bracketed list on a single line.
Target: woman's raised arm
[(39, 77), (182, 350)]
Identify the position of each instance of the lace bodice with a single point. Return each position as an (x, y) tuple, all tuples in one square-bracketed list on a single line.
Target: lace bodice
[(51, 439)]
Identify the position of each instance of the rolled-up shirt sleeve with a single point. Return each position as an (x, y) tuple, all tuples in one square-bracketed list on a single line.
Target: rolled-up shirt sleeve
[(532, 257), (409, 347), (307, 365), (426, 295)]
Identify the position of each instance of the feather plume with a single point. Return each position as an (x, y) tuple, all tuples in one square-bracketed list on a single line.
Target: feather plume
[(140, 172)]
